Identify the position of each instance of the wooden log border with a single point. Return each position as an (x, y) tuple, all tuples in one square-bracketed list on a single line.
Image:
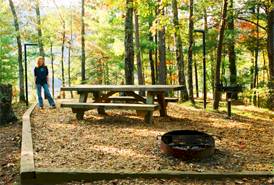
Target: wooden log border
[(40, 176), (27, 159)]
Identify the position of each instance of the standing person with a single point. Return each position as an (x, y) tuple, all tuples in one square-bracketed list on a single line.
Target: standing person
[(41, 80)]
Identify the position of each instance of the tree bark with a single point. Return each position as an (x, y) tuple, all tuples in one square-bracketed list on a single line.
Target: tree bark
[(6, 113), (52, 69), (217, 92), (231, 49), (190, 52), (196, 78), (179, 51), (150, 56), (69, 56), (270, 49), (20, 53), (162, 53), (83, 50), (138, 49), (129, 47), (39, 29), (62, 57)]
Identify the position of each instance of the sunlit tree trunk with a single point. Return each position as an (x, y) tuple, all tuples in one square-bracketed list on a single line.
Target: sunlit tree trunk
[(20, 53), (83, 50), (52, 69), (39, 29), (179, 51), (62, 57), (162, 52), (138, 49), (150, 56), (196, 78), (128, 42), (217, 93)]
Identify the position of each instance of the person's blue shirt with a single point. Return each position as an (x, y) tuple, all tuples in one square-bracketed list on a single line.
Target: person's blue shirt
[(41, 74)]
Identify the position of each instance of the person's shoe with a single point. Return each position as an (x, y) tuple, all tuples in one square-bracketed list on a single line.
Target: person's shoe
[(53, 107), (40, 107)]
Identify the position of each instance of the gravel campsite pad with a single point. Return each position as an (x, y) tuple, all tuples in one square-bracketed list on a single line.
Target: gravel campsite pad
[(122, 141)]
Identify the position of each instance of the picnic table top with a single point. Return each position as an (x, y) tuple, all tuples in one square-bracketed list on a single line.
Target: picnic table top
[(123, 88)]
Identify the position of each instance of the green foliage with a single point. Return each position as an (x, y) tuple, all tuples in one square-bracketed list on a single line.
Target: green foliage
[(8, 63)]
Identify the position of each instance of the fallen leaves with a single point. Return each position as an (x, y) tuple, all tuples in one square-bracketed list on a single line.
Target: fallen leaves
[(123, 141)]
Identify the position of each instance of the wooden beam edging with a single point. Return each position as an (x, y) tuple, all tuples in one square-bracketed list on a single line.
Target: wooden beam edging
[(27, 169), (59, 175)]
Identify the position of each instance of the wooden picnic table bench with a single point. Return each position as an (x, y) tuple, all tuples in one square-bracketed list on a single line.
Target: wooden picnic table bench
[(102, 98)]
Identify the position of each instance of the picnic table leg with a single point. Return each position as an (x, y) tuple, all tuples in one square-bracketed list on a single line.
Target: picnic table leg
[(80, 113), (97, 96), (162, 103), (149, 114)]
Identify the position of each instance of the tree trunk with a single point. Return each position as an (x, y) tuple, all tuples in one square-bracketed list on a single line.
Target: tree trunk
[(162, 53), (150, 52), (179, 51), (156, 60), (6, 113), (128, 42), (62, 57), (20, 53), (270, 49), (83, 50), (150, 56), (39, 29), (231, 49), (69, 57), (256, 69), (138, 49), (196, 79), (191, 28), (52, 69), (217, 92)]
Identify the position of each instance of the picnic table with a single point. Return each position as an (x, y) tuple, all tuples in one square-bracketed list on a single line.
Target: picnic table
[(103, 96)]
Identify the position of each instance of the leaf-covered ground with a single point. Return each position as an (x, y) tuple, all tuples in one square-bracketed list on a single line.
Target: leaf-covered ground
[(10, 139), (122, 140), (178, 182)]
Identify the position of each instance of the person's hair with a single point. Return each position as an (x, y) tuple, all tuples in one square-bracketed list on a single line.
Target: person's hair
[(38, 59)]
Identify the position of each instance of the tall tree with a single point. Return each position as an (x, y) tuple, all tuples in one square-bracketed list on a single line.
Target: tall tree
[(231, 48), (39, 29), (19, 51), (128, 42), (190, 51), (138, 49), (217, 92), (52, 68), (69, 55), (270, 48), (83, 50), (179, 51), (150, 56), (162, 49)]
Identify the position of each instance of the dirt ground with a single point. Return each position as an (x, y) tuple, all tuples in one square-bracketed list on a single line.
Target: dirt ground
[(178, 182), (121, 140), (63, 121), (10, 143)]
